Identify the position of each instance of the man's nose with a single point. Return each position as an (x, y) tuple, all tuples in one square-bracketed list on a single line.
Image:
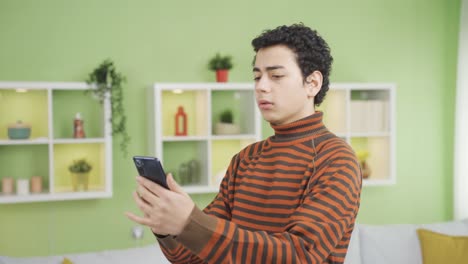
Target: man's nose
[(262, 85)]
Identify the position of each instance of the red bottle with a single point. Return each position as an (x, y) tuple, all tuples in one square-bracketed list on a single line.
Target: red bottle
[(180, 122)]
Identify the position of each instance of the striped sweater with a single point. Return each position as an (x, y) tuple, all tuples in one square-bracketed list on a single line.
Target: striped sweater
[(292, 198)]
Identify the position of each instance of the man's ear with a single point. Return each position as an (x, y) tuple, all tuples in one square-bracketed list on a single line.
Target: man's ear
[(314, 83)]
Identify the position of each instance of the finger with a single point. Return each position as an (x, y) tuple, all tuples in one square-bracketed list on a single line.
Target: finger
[(145, 194), (152, 186), (138, 219), (173, 185), (141, 204)]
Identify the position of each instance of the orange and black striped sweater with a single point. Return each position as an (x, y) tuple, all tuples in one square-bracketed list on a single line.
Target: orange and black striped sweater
[(292, 198)]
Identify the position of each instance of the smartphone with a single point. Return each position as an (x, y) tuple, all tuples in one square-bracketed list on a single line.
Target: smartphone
[(151, 168)]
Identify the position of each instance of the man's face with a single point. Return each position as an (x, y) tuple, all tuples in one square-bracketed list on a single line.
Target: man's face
[(281, 94)]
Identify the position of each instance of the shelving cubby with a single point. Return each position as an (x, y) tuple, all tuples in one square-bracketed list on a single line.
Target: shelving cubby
[(209, 152), (49, 108), (363, 114)]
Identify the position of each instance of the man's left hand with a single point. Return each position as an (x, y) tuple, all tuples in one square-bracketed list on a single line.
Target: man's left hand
[(166, 212)]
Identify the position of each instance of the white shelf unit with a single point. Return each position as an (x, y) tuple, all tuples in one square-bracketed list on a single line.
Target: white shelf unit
[(364, 115), (51, 146), (203, 103)]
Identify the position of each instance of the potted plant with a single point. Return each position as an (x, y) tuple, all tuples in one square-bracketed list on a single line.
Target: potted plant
[(362, 156), (221, 65), (80, 173), (226, 124), (106, 81)]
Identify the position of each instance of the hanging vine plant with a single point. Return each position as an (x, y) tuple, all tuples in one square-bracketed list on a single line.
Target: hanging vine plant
[(107, 81)]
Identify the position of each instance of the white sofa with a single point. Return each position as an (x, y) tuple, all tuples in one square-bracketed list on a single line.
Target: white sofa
[(138, 255), (370, 244), (391, 244)]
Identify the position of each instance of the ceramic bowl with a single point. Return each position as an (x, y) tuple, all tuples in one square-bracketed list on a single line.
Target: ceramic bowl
[(19, 131)]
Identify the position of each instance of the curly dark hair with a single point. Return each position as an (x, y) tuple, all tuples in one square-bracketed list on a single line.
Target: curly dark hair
[(312, 52)]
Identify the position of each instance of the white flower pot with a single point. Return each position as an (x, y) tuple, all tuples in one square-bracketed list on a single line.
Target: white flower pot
[(226, 129)]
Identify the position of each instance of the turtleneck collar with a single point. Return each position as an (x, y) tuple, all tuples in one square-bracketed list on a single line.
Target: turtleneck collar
[(305, 128)]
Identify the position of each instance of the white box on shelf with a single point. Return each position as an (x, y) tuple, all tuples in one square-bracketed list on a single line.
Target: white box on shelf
[(359, 116)]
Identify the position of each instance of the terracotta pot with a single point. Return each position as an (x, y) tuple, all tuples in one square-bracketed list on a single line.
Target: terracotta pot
[(222, 75), (366, 171)]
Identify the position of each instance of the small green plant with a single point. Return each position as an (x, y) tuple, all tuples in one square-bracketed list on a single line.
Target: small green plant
[(219, 62), (362, 155), (107, 82), (226, 117), (80, 166)]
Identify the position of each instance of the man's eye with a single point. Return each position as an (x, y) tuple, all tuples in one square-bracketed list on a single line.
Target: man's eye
[(277, 76), (256, 78)]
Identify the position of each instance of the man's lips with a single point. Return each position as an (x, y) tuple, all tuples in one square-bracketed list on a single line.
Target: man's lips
[(264, 104)]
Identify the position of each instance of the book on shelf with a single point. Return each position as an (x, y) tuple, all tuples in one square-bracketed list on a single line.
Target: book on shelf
[(369, 116)]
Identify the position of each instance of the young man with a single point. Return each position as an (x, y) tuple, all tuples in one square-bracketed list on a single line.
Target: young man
[(292, 198)]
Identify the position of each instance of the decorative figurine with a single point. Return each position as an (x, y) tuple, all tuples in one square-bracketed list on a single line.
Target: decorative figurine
[(78, 130)]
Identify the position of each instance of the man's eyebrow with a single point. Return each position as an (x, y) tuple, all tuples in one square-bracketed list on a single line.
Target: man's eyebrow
[(269, 68)]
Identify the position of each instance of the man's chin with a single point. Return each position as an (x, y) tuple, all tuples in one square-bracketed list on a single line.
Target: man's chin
[(270, 119)]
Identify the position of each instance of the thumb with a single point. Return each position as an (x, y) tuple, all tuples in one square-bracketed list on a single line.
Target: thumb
[(173, 185)]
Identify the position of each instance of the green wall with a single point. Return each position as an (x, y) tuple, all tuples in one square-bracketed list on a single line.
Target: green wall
[(411, 43)]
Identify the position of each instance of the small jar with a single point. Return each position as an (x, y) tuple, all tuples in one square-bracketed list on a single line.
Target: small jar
[(22, 186), (7, 185), (36, 184)]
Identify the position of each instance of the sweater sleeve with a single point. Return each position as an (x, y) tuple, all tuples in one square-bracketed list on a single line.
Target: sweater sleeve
[(316, 228), (176, 252)]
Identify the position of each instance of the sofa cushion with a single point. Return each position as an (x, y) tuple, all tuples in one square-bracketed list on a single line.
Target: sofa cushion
[(440, 248), (389, 244), (353, 256)]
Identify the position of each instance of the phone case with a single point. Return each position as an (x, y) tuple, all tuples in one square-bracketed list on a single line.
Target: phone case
[(151, 168)]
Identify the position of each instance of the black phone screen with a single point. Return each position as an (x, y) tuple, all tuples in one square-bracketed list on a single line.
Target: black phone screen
[(151, 168)]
